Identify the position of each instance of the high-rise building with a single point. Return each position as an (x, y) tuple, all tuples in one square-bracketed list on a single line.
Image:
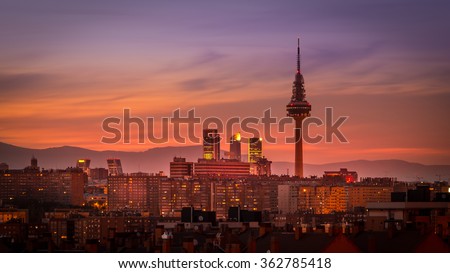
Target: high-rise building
[(235, 147), (60, 186), (136, 191), (360, 195), (84, 164), (211, 144), (298, 108), (254, 149), (114, 167), (221, 168), (176, 194), (99, 174), (323, 199), (328, 199), (70, 186), (249, 195), (179, 168)]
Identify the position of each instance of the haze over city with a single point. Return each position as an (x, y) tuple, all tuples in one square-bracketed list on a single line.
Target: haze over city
[(66, 66)]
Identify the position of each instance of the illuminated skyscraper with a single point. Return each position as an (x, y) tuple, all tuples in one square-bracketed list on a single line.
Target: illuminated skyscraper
[(254, 149), (235, 147), (114, 167), (211, 144), (298, 108), (84, 165)]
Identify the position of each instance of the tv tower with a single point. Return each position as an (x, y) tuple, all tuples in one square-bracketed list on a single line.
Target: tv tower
[(298, 108)]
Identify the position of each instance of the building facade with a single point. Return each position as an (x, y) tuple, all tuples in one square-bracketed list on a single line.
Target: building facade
[(235, 147), (55, 186), (326, 199), (287, 198), (254, 149), (134, 192), (114, 167), (249, 195), (211, 144), (179, 168), (341, 176), (221, 168)]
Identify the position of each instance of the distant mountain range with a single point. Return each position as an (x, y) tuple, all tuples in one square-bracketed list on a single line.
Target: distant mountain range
[(157, 159)]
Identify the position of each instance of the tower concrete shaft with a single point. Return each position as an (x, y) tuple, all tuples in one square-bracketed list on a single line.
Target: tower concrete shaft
[(298, 146)]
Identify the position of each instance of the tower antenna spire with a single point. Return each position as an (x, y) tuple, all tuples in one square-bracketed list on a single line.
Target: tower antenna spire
[(298, 55)]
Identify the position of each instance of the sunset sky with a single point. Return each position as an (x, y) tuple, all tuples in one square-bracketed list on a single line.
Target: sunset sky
[(65, 66)]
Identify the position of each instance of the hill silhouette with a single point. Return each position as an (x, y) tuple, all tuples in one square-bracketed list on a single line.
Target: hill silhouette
[(157, 159)]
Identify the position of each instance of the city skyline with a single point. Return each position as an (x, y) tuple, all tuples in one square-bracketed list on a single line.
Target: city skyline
[(91, 211), (384, 65)]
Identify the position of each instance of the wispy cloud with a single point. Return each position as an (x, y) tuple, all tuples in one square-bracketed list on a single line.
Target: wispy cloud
[(18, 83)]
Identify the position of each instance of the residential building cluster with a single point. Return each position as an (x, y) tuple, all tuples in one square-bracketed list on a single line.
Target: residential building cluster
[(64, 187), (397, 225)]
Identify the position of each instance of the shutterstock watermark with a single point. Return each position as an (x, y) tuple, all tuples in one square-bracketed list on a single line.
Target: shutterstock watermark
[(188, 128)]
